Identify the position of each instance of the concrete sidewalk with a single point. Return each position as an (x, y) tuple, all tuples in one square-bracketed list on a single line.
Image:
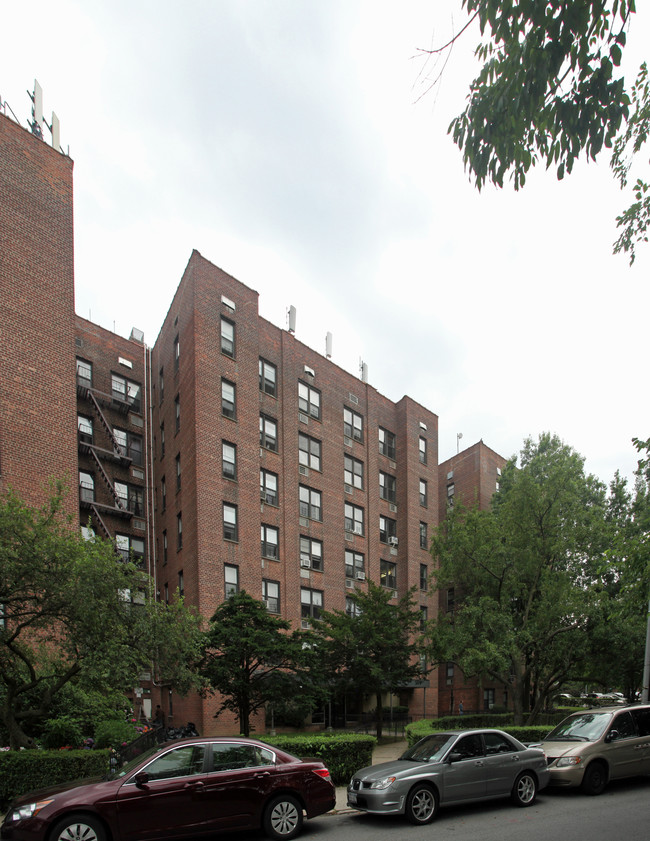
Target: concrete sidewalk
[(382, 753)]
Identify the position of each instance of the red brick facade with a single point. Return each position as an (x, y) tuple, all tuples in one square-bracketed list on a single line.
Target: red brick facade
[(230, 455)]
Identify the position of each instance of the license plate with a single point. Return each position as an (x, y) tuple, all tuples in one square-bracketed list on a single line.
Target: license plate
[(352, 797)]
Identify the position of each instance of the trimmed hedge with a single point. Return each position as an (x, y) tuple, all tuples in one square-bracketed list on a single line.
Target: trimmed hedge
[(27, 770), (525, 733), (342, 753)]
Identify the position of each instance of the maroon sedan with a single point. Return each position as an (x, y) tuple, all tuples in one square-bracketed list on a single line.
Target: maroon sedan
[(182, 789)]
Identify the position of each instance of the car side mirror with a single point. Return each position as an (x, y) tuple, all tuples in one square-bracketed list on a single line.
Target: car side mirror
[(141, 779), (612, 736), (454, 757)]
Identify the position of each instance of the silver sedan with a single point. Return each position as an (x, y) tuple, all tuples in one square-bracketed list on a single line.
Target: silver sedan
[(444, 769)]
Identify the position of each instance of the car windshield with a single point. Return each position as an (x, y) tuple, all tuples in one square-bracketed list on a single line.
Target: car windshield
[(125, 769), (586, 727), (430, 749)]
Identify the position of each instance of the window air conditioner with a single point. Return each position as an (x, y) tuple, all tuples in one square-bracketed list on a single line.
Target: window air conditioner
[(393, 541), (361, 576), (358, 528), (305, 562)]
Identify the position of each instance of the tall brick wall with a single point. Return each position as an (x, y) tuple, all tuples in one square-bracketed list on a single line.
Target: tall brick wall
[(37, 397)]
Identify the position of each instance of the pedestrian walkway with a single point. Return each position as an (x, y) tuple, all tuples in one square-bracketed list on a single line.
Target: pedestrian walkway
[(382, 753)]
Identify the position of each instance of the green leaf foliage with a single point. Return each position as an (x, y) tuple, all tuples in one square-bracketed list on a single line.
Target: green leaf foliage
[(521, 574), (70, 615), (251, 658)]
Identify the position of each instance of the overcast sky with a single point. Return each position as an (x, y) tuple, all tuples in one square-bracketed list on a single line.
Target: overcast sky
[(300, 146)]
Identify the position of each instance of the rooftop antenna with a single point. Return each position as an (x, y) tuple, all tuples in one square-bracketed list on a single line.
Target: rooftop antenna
[(291, 318), (328, 345), (459, 435), (363, 370), (37, 110)]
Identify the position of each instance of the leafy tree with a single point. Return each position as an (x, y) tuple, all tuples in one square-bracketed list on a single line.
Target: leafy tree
[(251, 659), (68, 616), (550, 89), (371, 650), (522, 573)]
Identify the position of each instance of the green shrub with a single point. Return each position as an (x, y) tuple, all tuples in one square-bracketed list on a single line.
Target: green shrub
[(60, 733), (27, 770), (525, 733), (114, 732), (343, 754)]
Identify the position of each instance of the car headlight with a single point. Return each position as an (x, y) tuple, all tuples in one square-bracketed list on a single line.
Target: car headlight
[(566, 761), (381, 784), (28, 810)]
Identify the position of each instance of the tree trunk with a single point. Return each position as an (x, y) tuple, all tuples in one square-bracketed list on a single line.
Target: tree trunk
[(17, 737), (379, 716)]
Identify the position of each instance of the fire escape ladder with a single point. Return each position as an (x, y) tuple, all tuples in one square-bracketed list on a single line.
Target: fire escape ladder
[(107, 479), (97, 518), (109, 429)]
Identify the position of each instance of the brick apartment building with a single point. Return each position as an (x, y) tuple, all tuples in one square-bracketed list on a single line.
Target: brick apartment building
[(229, 456), (471, 477)]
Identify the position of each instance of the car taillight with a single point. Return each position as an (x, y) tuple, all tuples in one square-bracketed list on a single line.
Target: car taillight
[(322, 772)]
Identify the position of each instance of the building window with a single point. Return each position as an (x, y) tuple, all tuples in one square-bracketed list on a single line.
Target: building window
[(352, 424), (424, 536), (177, 352), (310, 503), (178, 472), (268, 433), (268, 487), (228, 460), (126, 391), (351, 607), (309, 400), (129, 445), (162, 440), (424, 616), (86, 486), (84, 373), (271, 595), (231, 580), (85, 427), (268, 378), (311, 603), (387, 443), (230, 531), (130, 497), (355, 565), (388, 574), (424, 577), (423, 450), (311, 553), (488, 699), (353, 472), (309, 451), (166, 592), (177, 412), (450, 674), (161, 383), (354, 518), (227, 398), (181, 584), (130, 548), (227, 337), (451, 490), (163, 494), (387, 530), (179, 531), (270, 542), (165, 546), (423, 493), (387, 486)]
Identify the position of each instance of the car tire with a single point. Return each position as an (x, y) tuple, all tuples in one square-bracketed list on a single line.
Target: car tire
[(595, 779), (524, 791), (421, 805), (283, 817), (78, 828)]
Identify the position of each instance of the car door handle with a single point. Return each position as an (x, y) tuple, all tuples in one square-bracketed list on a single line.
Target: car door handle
[(198, 786), (479, 763), (515, 758), (262, 774)]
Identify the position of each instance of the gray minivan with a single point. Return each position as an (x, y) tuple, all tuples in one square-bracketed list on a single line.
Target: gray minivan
[(592, 747)]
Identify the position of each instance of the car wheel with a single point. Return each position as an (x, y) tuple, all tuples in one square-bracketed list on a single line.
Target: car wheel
[(283, 817), (595, 778), (78, 828), (421, 804), (524, 790)]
